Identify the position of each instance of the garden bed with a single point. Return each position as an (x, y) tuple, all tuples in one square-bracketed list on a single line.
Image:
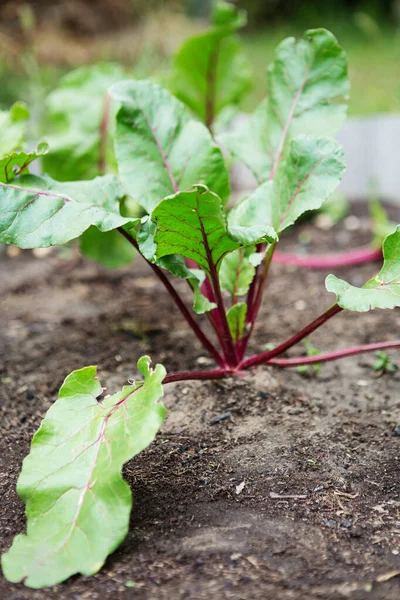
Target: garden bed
[(326, 442)]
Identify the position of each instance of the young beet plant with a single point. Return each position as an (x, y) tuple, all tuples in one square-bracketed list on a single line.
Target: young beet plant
[(77, 503)]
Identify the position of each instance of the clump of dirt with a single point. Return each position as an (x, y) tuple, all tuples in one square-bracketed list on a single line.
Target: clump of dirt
[(273, 485)]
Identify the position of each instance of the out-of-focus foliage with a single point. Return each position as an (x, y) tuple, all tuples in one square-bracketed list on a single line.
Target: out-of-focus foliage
[(74, 112), (263, 11)]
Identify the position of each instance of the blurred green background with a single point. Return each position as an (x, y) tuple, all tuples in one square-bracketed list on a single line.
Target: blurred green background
[(40, 41)]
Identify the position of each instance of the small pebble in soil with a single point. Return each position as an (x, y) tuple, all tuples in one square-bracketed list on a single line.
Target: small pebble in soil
[(222, 417), (329, 523), (346, 524), (300, 305), (396, 431), (352, 223)]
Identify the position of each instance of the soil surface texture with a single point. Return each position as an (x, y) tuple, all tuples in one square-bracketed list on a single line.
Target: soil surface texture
[(275, 485)]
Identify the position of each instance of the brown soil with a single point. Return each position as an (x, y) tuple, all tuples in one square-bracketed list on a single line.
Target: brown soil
[(327, 438)]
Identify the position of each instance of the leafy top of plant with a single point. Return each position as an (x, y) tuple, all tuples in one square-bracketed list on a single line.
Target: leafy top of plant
[(307, 83), (210, 70), (77, 503), (160, 148)]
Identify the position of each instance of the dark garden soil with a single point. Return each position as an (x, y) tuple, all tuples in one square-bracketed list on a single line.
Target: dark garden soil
[(207, 522)]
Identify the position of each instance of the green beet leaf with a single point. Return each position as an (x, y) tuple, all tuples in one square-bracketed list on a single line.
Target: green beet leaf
[(108, 248), (77, 503), (12, 128), (192, 224), (249, 144), (238, 270), (382, 291), (312, 171), (174, 264), (210, 69), (310, 174), (236, 316), (36, 212), (251, 218), (306, 82), (74, 115), (17, 163), (160, 148)]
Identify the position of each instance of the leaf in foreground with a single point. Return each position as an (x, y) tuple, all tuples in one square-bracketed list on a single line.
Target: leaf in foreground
[(37, 212), (160, 148), (192, 224), (382, 291), (77, 503)]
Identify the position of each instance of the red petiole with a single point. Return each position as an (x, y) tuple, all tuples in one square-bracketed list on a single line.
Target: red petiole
[(231, 363)]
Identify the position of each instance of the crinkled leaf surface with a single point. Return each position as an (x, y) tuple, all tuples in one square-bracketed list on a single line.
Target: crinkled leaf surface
[(312, 171), (306, 81), (236, 316), (77, 503), (382, 291), (36, 212), (238, 270), (210, 69), (12, 128), (192, 224), (17, 163), (160, 148), (74, 114)]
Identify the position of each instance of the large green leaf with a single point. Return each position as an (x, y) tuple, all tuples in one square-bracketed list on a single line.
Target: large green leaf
[(382, 291), (312, 171), (77, 503), (36, 212), (310, 174), (306, 82), (17, 163), (12, 128), (210, 69), (160, 148), (74, 114), (192, 224)]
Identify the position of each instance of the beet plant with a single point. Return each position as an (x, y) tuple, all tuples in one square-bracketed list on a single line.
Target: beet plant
[(77, 503)]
